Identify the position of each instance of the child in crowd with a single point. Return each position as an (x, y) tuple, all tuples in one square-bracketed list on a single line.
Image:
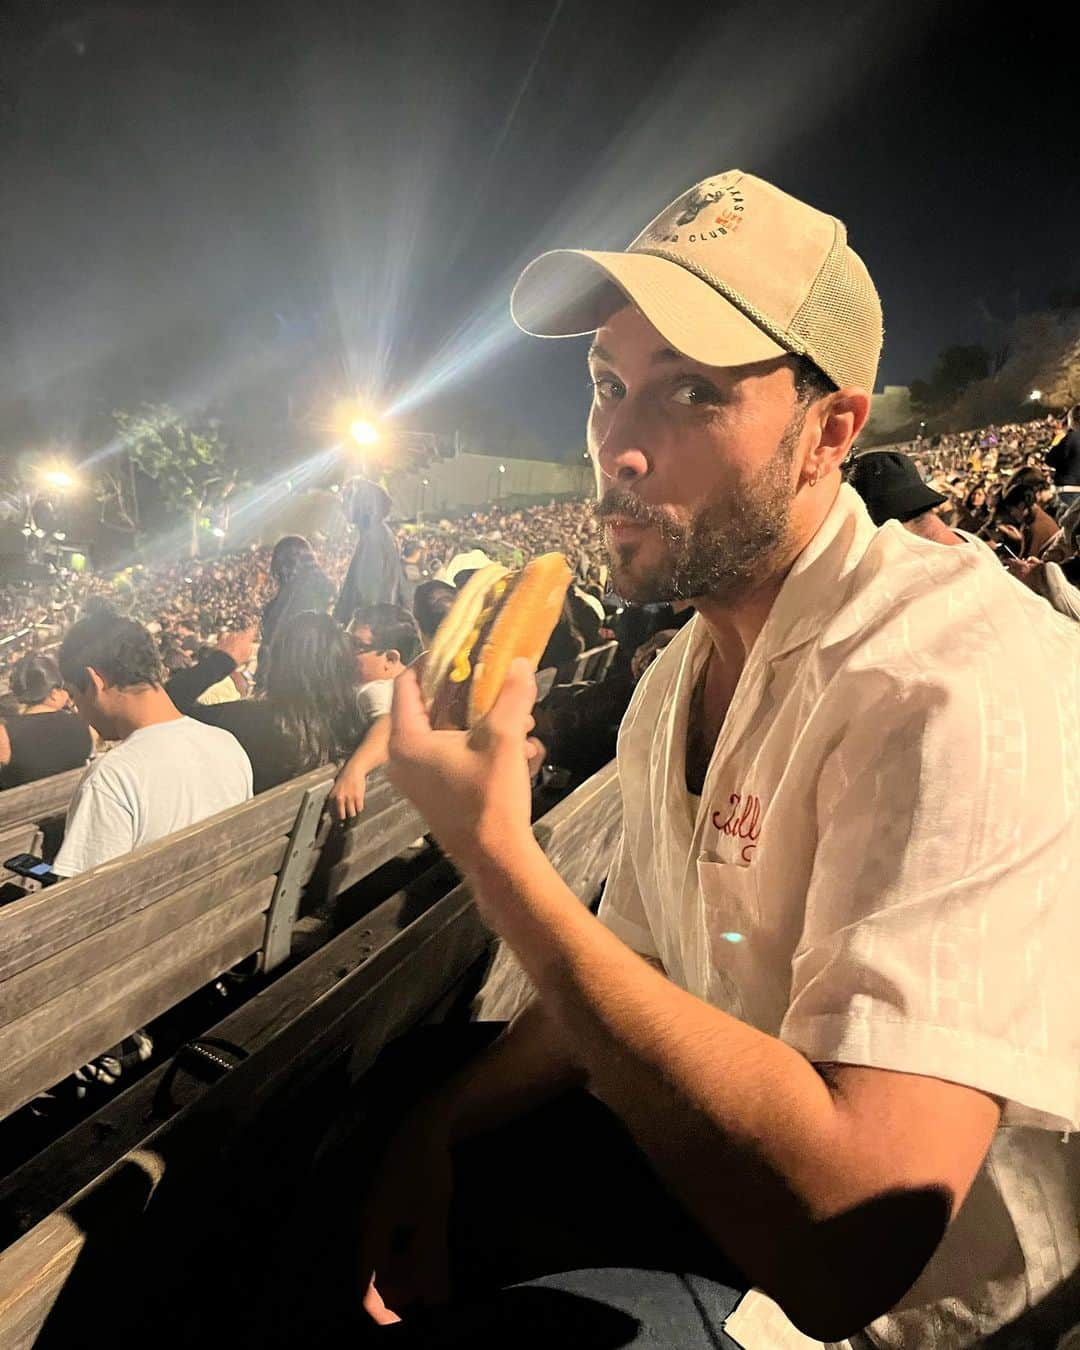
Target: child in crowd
[(386, 641)]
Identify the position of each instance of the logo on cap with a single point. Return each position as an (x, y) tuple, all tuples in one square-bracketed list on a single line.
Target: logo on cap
[(688, 210)]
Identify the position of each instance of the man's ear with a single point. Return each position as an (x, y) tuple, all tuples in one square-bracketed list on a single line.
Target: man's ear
[(96, 680), (842, 416), (393, 656)]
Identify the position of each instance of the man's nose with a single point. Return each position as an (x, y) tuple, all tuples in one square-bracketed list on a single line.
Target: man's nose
[(620, 456)]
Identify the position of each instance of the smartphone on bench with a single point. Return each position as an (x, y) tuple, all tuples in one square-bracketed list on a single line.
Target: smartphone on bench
[(31, 866)]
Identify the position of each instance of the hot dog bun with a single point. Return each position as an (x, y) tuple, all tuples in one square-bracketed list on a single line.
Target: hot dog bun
[(498, 617)]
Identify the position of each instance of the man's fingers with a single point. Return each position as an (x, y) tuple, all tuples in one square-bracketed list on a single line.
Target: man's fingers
[(535, 755), (376, 1309), (512, 712)]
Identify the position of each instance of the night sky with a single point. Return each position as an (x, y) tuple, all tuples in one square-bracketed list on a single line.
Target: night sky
[(257, 208)]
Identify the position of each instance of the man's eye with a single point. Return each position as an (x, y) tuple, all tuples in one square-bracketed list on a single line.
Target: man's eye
[(695, 393), (606, 387)]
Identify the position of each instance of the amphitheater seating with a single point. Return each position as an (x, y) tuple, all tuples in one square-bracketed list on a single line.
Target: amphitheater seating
[(300, 1048)]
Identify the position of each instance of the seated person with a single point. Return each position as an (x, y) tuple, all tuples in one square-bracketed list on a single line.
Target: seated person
[(1019, 522), (822, 1016), (169, 771), (309, 714), (44, 738), (431, 604), (386, 641)]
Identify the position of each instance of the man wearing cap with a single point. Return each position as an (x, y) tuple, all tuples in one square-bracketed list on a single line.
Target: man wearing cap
[(823, 1017)]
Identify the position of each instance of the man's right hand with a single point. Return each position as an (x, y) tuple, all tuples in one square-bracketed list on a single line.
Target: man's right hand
[(404, 1251)]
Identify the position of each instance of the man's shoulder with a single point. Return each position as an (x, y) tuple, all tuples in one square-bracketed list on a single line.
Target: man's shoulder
[(935, 616), (203, 734), (108, 774), (179, 736)]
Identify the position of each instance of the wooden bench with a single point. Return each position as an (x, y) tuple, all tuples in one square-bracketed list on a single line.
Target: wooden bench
[(26, 811), (593, 665), (87, 961), (387, 826), (310, 1037)]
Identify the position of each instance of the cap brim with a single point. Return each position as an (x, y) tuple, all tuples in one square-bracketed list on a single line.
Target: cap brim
[(573, 292)]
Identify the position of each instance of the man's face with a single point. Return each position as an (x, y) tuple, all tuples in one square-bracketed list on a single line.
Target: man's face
[(93, 702), (695, 465), (370, 664)]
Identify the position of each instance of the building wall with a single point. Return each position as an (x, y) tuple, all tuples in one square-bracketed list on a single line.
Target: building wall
[(472, 480), (889, 411)]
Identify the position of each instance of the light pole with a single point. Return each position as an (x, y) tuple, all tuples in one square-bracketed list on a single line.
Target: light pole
[(502, 473)]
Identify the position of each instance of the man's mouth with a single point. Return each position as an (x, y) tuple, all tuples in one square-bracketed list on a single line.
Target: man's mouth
[(621, 527)]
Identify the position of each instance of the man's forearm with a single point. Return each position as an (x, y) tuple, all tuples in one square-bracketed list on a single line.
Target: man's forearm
[(742, 1128), (527, 1066)]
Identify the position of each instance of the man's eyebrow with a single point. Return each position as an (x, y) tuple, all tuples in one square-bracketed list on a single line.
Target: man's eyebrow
[(662, 356)]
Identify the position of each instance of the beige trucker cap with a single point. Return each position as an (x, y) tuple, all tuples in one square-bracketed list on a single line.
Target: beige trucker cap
[(733, 271)]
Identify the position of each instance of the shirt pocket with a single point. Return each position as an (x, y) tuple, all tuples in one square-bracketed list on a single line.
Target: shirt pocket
[(729, 899)]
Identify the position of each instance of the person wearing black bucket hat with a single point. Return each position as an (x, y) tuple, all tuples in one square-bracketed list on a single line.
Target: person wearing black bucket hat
[(890, 485), (893, 489)]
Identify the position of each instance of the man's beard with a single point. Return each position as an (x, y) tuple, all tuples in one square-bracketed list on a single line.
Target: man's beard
[(724, 552)]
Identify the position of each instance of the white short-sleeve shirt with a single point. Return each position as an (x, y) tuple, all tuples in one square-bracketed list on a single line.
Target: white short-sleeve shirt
[(882, 868), (161, 779)]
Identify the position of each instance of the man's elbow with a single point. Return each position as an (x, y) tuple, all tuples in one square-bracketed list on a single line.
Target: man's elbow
[(854, 1267)]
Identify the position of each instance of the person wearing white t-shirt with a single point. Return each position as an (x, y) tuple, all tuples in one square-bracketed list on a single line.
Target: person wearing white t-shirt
[(828, 997), (168, 772)]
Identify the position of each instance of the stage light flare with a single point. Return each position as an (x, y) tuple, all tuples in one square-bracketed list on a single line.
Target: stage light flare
[(675, 140), (58, 478), (364, 432)]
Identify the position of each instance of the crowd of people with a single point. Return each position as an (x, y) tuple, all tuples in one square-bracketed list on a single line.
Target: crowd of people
[(1016, 488), (236, 670), (213, 622), (235, 674)]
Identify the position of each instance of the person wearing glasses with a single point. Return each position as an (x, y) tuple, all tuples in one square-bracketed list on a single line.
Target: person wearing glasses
[(386, 640)]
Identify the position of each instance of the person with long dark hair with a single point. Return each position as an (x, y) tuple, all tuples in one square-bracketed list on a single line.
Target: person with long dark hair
[(44, 738), (302, 586), (308, 713)]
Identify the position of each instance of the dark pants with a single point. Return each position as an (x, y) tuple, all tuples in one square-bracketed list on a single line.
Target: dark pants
[(562, 1236)]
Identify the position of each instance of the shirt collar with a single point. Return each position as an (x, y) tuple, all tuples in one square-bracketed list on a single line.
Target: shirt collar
[(817, 583)]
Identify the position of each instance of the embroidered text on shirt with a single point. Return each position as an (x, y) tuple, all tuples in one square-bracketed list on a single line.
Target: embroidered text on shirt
[(743, 821)]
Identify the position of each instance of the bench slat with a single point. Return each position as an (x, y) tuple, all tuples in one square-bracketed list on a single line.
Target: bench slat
[(55, 1039), (57, 918), (22, 838), (580, 833), (35, 801), (354, 1020), (378, 839), (50, 978)]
